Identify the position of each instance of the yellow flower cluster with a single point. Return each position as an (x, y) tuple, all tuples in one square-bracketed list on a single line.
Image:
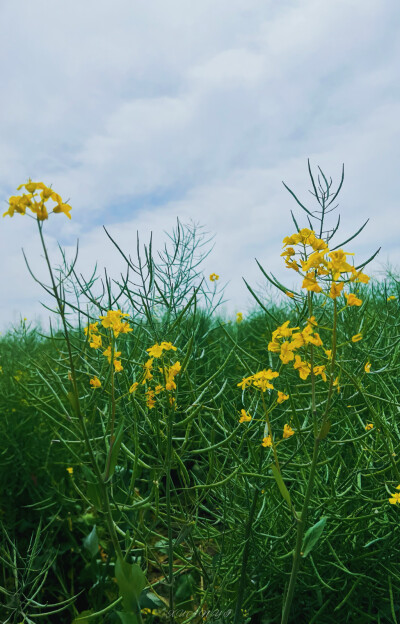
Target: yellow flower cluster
[(320, 263), (156, 350), (286, 340), (36, 201), (395, 498), (112, 321), (260, 380), (168, 372), (214, 277)]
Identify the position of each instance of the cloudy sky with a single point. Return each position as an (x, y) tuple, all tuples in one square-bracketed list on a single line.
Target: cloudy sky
[(142, 112)]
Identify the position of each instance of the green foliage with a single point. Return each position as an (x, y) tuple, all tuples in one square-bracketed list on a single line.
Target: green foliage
[(181, 500)]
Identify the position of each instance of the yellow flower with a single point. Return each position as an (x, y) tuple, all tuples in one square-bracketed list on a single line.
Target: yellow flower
[(156, 350), (239, 317), (352, 300), (118, 366), (287, 431), (112, 320), (267, 441), (335, 290), (367, 367), (107, 354), (286, 352), (245, 417), (336, 383), (303, 367), (310, 283), (328, 353), (134, 387), (320, 370), (214, 277), (338, 263), (95, 382), (70, 471), (369, 426), (282, 397), (356, 338), (65, 208), (159, 388), (95, 342), (150, 401), (395, 497), (391, 298), (91, 328)]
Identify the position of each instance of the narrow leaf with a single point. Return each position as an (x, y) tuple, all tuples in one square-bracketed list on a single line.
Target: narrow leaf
[(312, 536)]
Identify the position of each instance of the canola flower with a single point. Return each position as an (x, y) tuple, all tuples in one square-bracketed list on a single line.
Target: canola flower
[(356, 338), (395, 498), (261, 380), (156, 350), (287, 431), (317, 264), (95, 382), (267, 441), (367, 367), (245, 416), (369, 426), (36, 200), (134, 387), (391, 298), (70, 471), (214, 277), (239, 317)]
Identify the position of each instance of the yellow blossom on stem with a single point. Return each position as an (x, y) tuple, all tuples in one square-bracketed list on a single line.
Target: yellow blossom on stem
[(282, 397), (239, 317), (395, 498), (214, 277), (369, 426), (267, 441), (391, 298), (336, 289), (356, 338), (352, 300), (118, 366), (70, 471), (107, 354), (287, 431), (336, 384), (156, 350), (286, 354), (311, 284), (150, 400), (302, 367), (95, 382), (95, 342), (245, 416), (320, 370), (367, 367), (134, 387)]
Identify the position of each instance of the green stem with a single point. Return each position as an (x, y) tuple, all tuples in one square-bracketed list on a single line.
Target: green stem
[(168, 462)]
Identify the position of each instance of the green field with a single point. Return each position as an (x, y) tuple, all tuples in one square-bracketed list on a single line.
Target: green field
[(155, 469)]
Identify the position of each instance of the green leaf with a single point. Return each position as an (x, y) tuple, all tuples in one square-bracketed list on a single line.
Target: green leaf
[(324, 430), (91, 542), (282, 487), (312, 536), (131, 582), (148, 600), (115, 449)]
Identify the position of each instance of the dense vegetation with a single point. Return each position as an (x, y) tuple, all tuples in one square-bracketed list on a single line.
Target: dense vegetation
[(130, 487)]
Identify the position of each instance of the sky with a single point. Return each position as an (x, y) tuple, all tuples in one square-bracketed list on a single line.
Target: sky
[(140, 113)]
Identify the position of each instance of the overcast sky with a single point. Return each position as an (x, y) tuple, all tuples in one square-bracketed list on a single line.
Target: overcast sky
[(142, 112)]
